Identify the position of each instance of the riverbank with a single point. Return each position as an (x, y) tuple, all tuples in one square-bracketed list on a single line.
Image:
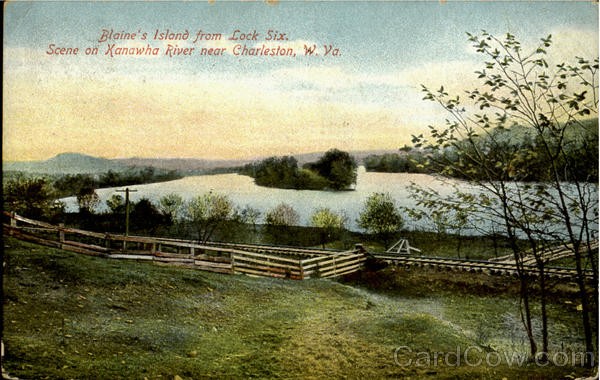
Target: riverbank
[(69, 316)]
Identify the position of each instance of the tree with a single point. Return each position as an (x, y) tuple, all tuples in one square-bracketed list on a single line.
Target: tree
[(208, 212), (249, 215), (116, 204), (334, 170), (281, 222), (171, 205), (72, 184), (338, 167), (443, 220), (278, 172), (87, 200), (282, 215), (30, 197), (380, 216), (519, 89), (145, 215), (405, 162), (330, 223)]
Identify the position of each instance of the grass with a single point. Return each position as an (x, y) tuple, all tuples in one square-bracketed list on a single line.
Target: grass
[(68, 316)]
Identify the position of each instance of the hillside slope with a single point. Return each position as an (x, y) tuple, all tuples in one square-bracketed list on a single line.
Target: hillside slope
[(72, 316)]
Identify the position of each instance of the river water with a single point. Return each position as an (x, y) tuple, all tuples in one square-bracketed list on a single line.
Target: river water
[(243, 192)]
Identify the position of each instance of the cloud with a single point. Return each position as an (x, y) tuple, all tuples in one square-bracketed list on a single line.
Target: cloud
[(569, 43), (200, 118)]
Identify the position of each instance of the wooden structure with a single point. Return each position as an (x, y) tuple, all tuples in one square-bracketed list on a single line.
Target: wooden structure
[(259, 260), (402, 247)]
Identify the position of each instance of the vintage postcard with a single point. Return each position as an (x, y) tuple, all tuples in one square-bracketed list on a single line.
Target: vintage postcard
[(292, 189)]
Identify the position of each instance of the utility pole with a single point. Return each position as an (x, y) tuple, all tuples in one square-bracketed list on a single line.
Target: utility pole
[(126, 191)]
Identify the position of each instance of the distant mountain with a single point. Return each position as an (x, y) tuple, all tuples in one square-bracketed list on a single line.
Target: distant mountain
[(66, 163), (75, 163)]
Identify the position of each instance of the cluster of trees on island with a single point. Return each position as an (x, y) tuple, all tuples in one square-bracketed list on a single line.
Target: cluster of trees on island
[(335, 170)]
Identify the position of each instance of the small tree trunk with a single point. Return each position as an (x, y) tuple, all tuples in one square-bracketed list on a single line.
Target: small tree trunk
[(526, 316), (544, 311)]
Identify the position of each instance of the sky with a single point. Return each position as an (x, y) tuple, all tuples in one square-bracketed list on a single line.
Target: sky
[(364, 95)]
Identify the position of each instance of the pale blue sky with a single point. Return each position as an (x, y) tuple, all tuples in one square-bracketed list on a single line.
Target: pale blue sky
[(388, 49)]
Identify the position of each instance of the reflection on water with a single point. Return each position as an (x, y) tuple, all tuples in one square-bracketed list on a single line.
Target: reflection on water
[(242, 190)]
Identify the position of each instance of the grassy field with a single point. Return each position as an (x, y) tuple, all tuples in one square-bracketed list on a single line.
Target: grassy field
[(68, 316)]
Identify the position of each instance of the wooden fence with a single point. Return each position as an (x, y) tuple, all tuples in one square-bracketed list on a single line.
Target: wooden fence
[(259, 260)]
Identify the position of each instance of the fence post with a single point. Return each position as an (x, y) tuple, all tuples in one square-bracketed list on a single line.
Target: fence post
[(61, 233), (13, 223)]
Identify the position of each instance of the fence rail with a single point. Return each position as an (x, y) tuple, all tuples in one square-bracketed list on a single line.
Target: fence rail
[(251, 259), (483, 266)]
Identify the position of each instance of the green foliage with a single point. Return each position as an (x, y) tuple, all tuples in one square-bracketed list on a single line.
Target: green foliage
[(309, 180), (553, 104), (145, 215), (30, 197), (380, 216), (248, 215), (207, 212), (335, 170), (327, 219), (518, 153), (116, 204), (87, 200), (551, 108), (72, 184), (281, 172), (338, 167), (406, 162), (330, 223), (171, 205)]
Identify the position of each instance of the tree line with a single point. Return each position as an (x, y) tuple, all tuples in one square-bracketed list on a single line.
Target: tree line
[(408, 160), (37, 196), (74, 184), (516, 146)]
